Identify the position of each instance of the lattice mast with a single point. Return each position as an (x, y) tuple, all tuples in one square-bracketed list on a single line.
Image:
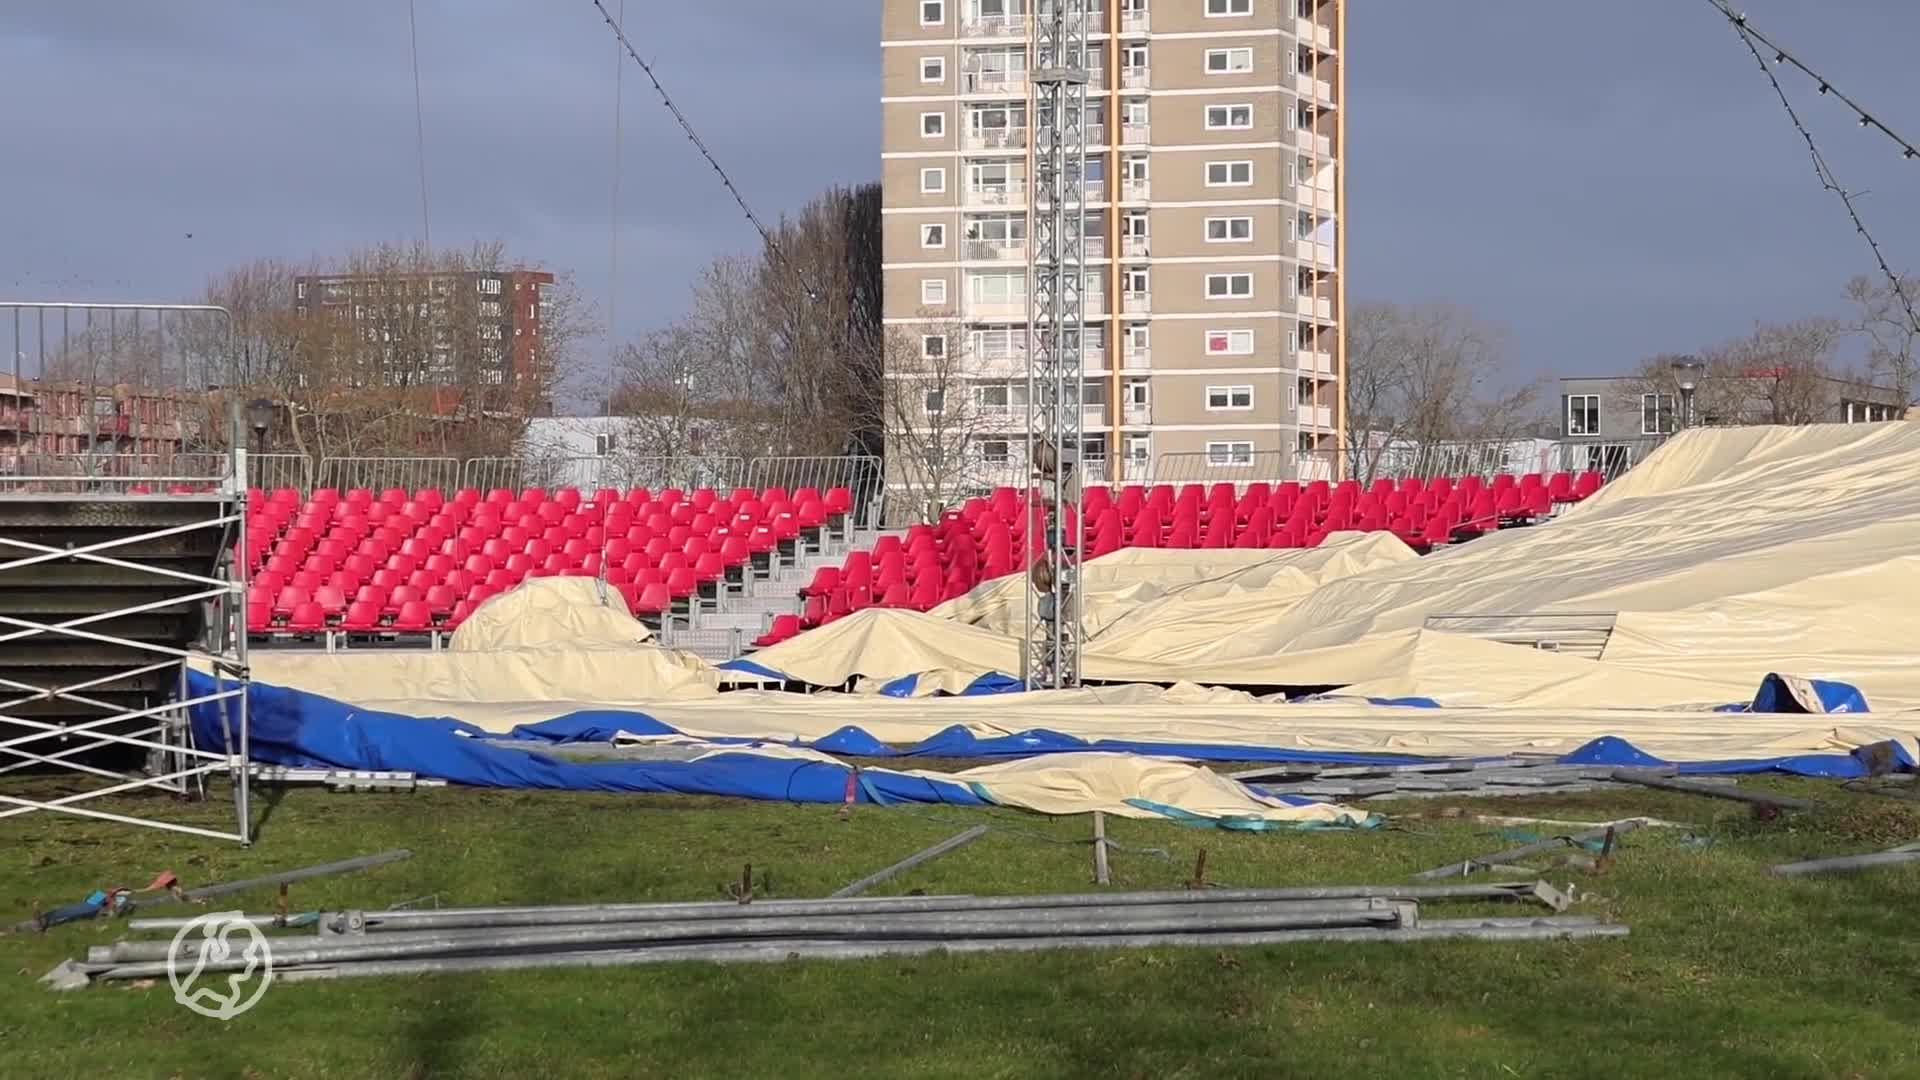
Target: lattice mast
[(1056, 318)]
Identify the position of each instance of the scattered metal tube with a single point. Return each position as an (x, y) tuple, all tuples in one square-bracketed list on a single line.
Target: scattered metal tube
[(1468, 866), (907, 925), (589, 914), (911, 861), (363, 862), (1714, 791), (316, 951), (1846, 863), (775, 951)]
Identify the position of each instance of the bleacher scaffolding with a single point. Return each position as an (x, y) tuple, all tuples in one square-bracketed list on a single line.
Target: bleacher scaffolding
[(115, 581)]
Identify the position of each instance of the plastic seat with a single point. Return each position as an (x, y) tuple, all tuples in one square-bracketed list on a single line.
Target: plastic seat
[(361, 615), (414, 616), (308, 617), (783, 628)]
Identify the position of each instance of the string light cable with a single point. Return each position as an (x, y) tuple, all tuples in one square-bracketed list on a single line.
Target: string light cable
[(1755, 41), (693, 136)]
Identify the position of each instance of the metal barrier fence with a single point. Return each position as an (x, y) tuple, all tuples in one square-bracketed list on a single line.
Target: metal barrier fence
[(486, 473), (112, 473), (862, 475), (1204, 467), (376, 473), (1612, 457), (270, 471)]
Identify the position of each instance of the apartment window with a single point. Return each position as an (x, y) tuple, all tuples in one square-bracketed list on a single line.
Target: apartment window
[(1229, 173), (1000, 397), (936, 402), (933, 12), (1229, 230), (490, 286), (299, 290), (1293, 119), (1583, 414), (1229, 455), (999, 288), (1229, 343), (933, 291), (1657, 412), (1229, 286), (1134, 225), (933, 125), (1135, 394), (1219, 8), (1139, 338), (933, 69), (933, 236), (995, 451), (1229, 398), (1229, 117), (1134, 170), (603, 443), (1229, 61), (1093, 450), (933, 346), (1136, 280), (1293, 342), (933, 181), (1293, 397)]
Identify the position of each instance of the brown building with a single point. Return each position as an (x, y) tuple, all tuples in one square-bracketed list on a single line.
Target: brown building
[(509, 306), (71, 418), (1214, 222)]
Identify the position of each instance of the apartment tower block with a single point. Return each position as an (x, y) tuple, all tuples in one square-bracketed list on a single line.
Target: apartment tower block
[(1214, 240)]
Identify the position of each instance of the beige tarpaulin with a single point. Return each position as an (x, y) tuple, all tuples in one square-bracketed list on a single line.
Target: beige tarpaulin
[(1080, 783), (1134, 714), (1727, 555), (446, 683), (552, 612)]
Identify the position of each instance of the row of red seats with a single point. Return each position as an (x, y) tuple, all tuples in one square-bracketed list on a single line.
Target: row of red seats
[(358, 561), (995, 535)]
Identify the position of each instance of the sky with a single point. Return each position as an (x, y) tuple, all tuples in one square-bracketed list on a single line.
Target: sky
[(1603, 181)]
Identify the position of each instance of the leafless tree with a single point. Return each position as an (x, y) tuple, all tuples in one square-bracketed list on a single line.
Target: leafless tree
[(1885, 317), (1777, 373), (950, 432), (1419, 376)]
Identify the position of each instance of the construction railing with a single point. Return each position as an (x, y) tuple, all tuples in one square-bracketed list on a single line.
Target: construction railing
[(861, 475), (269, 471), (112, 473), (376, 473)]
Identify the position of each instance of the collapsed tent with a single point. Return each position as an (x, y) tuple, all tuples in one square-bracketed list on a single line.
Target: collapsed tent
[(1727, 555), (299, 729)]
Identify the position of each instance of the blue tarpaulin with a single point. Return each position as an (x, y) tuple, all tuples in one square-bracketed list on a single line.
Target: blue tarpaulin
[(290, 727)]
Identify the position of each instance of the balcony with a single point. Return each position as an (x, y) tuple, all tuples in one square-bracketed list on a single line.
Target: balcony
[(998, 82), (1137, 303), (1133, 247), (1094, 247), (1321, 415), (1323, 308), (1136, 134), (1093, 416), (1139, 359), (1303, 305), (1010, 194), (1135, 22), (994, 251), (1320, 361), (1135, 78), (1093, 190), (998, 309), (983, 26), (1005, 138), (1093, 359), (1138, 415), (1135, 191), (1307, 195)]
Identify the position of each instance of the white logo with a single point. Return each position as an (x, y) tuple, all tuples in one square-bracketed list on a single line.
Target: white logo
[(220, 939)]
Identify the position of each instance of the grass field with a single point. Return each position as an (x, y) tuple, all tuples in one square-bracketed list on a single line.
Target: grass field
[(1728, 972)]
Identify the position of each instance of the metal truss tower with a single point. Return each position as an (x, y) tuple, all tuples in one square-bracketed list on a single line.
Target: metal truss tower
[(1055, 320)]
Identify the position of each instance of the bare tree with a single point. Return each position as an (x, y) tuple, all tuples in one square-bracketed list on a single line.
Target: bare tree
[(951, 429), (1777, 373), (1886, 317), (1418, 376)]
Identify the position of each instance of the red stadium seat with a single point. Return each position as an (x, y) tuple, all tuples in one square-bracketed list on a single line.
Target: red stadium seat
[(783, 628)]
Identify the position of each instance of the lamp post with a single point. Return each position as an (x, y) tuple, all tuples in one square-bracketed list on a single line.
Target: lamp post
[(1686, 371)]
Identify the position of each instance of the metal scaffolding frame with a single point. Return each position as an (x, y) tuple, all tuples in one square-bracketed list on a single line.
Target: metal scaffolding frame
[(1056, 321), (156, 573)]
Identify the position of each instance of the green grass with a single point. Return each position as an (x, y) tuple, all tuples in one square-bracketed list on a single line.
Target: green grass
[(1728, 972)]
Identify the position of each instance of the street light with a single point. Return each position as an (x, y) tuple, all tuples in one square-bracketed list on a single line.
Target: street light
[(260, 417), (1687, 371)]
